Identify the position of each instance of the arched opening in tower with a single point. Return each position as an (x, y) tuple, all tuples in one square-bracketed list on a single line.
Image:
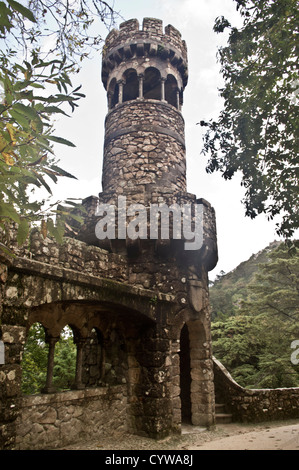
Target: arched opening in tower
[(171, 89), (152, 84), (185, 376), (131, 89), (113, 93)]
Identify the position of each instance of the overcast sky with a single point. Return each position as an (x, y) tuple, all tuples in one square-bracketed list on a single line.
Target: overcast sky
[(238, 236)]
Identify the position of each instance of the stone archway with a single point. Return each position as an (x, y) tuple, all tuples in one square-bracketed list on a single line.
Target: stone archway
[(196, 373), (114, 327), (114, 360)]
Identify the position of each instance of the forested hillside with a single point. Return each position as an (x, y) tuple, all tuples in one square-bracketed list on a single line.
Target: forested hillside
[(255, 318), (227, 291)]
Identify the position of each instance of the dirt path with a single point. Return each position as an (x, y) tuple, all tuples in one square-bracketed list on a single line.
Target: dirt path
[(270, 438), (267, 436)]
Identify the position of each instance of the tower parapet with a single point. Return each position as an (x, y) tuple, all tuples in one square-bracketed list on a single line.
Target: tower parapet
[(130, 42)]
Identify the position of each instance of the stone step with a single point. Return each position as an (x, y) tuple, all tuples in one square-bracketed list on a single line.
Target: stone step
[(221, 415), (223, 418)]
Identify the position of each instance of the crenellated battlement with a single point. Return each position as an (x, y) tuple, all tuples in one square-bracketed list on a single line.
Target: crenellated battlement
[(131, 41), (151, 27)]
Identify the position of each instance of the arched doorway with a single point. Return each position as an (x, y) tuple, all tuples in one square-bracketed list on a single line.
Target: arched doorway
[(185, 375)]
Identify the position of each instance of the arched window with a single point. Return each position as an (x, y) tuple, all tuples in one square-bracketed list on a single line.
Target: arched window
[(152, 84), (131, 85), (171, 91)]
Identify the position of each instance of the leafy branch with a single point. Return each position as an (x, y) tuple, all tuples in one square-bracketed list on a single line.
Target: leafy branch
[(43, 43), (256, 133)]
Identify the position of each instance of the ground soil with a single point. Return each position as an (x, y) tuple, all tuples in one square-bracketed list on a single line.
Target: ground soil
[(279, 435)]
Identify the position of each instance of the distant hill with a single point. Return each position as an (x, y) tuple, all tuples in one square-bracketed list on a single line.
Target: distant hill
[(229, 289)]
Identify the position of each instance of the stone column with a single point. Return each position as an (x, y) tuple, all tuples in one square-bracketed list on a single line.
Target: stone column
[(49, 387), (175, 385), (178, 100), (202, 385), (163, 80), (13, 338), (79, 361), (156, 418), (120, 91), (140, 80)]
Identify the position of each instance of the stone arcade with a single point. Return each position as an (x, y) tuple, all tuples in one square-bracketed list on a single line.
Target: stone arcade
[(138, 308)]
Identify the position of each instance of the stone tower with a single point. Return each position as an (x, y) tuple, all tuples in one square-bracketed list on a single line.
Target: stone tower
[(135, 298), (145, 72)]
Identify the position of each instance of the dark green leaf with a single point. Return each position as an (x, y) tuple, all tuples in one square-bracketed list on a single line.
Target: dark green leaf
[(21, 9), (61, 140), (62, 172), (8, 211)]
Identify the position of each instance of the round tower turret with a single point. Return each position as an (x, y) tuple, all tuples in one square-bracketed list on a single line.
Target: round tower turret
[(144, 72)]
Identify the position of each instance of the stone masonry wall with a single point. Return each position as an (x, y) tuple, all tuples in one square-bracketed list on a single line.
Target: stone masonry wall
[(152, 29), (56, 420), (144, 144), (97, 262), (78, 256), (150, 110), (254, 405)]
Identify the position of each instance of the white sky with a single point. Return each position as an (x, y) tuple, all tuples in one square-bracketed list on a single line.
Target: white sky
[(238, 236)]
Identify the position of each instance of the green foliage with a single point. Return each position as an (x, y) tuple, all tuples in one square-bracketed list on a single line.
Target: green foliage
[(54, 27), (255, 343), (41, 46), (256, 133), (26, 133), (65, 362), (230, 290), (275, 288), (34, 361), (257, 350)]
